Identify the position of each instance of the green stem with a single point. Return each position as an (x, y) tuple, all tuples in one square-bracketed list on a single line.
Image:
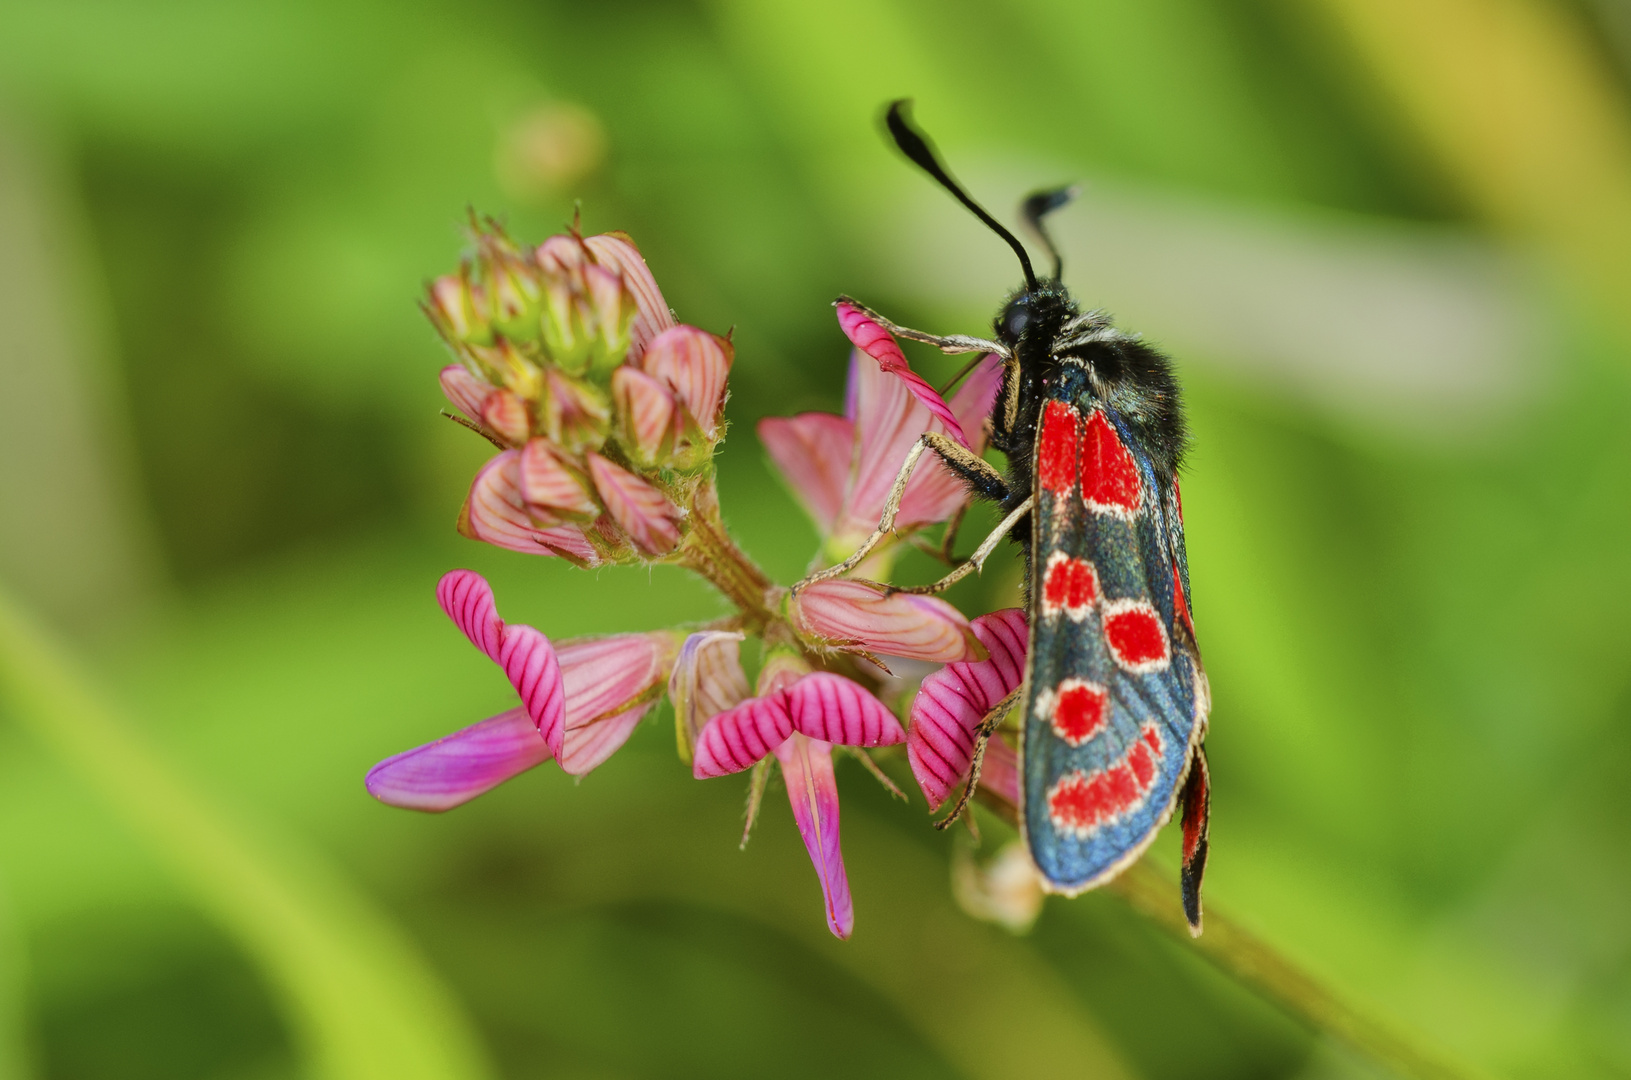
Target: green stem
[(709, 551), (1251, 961)]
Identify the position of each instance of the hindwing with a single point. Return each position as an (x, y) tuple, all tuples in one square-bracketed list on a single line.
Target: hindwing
[(1116, 700)]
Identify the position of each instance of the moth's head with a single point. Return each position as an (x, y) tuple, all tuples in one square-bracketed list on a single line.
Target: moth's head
[(1039, 311)]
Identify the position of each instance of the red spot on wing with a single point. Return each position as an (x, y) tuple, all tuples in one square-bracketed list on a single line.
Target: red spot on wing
[(1056, 450), (1081, 802), (1109, 474), (1070, 585), (1079, 711), (1134, 633), (1197, 800)]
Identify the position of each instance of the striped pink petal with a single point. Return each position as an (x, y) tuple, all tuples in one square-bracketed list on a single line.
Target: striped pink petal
[(464, 390), (605, 680), (589, 745), (835, 710), (999, 773), (697, 365), (952, 701), (935, 492), (813, 451), (495, 514), (807, 768), (456, 768), (533, 670), (617, 251), (639, 509), (877, 343), (468, 601), (848, 614), (739, 737)]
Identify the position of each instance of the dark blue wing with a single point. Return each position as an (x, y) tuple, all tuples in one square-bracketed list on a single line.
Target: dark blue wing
[(1116, 700)]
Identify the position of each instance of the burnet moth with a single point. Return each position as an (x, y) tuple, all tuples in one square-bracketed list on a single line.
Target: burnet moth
[(1113, 708)]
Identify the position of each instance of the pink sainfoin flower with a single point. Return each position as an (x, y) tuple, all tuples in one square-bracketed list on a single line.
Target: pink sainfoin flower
[(607, 413), (580, 700), (799, 715), (841, 467)]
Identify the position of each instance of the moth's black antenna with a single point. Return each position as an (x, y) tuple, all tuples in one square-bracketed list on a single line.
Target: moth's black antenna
[(1042, 203), (915, 146)]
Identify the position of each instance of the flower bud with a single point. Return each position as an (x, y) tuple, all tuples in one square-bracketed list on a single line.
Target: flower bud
[(613, 310), (646, 412), (849, 614), (616, 251), (552, 489), (575, 415), (707, 680), (506, 414), (464, 390), (495, 513), (696, 366), (455, 306), (644, 513), (513, 286)]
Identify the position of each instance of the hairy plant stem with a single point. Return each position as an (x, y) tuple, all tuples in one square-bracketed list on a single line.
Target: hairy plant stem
[(709, 551)]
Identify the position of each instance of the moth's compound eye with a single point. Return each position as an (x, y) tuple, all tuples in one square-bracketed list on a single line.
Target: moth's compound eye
[(1014, 320)]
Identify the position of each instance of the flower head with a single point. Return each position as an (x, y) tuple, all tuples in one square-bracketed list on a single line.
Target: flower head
[(609, 411)]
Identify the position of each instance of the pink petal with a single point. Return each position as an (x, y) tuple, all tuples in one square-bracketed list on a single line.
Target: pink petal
[(877, 343), (589, 745), (464, 390), (646, 410), (547, 483), (739, 737), (844, 613), (468, 601), (495, 513), (456, 768), (605, 678), (533, 670), (697, 365), (813, 451), (707, 680), (807, 768), (935, 492), (977, 396), (639, 509), (999, 772), (617, 251), (835, 710), (951, 703)]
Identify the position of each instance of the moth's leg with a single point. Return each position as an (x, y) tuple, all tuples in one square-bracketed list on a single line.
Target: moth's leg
[(977, 560), (964, 462), (982, 735), (948, 542), (951, 344)]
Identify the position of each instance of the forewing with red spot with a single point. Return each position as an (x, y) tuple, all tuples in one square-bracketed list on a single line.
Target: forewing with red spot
[(1116, 701)]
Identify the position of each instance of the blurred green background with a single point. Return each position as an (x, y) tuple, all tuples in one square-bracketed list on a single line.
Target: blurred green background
[(1388, 242)]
